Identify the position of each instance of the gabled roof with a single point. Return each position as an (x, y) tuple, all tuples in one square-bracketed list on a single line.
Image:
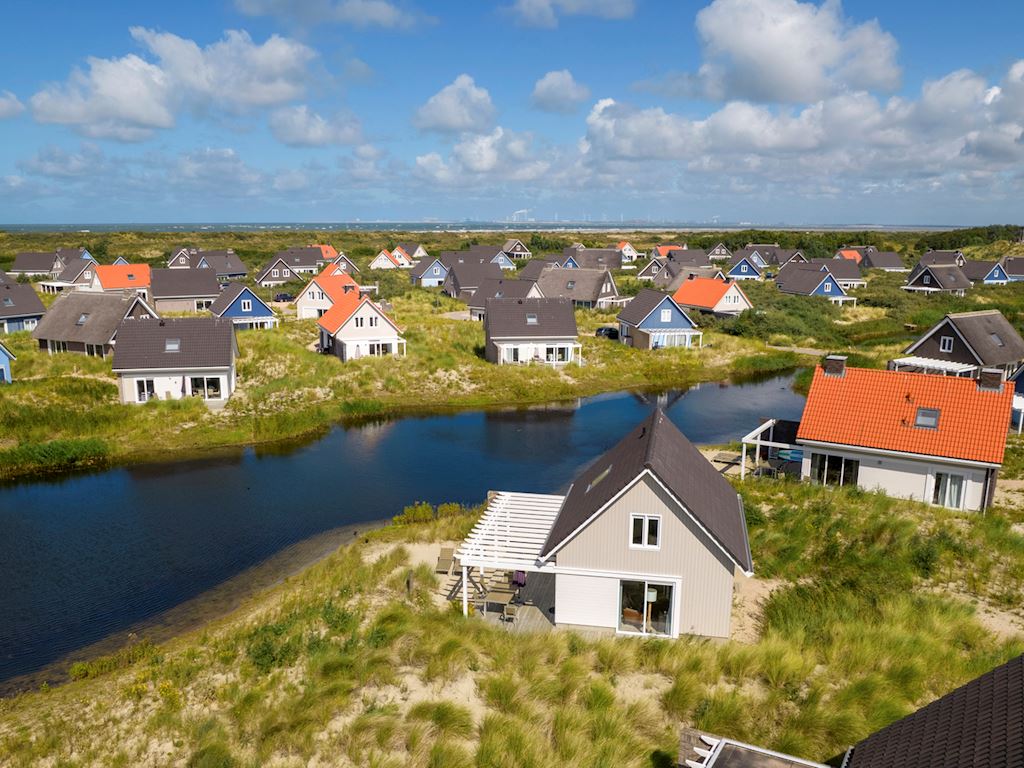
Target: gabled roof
[(645, 302), (387, 254), (424, 266), (576, 284), (532, 269), (594, 258), (1013, 265), (87, 317), (674, 275), (203, 342), (884, 260), (510, 245), (841, 269), (989, 335), (980, 723), (703, 292), (33, 261), (114, 277), (292, 258), (741, 256), (622, 244), (334, 283), (19, 300), (878, 409), (471, 274), (231, 292), (941, 257), (945, 276), (657, 445), (344, 307), (183, 283), (74, 269), (67, 254), (500, 288), (7, 353), (803, 279), (978, 270), (510, 318), (691, 257), (850, 254), (662, 250), (409, 248)]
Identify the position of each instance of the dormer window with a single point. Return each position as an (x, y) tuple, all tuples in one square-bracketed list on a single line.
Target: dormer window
[(927, 418), (531, 319), (172, 345)]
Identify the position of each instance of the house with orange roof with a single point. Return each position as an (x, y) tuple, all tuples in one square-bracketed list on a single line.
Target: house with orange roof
[(323, 291), (629, 253), (120, 277), (395, 259), (717, 297), (931, 438), (661, 251), (356, 327)]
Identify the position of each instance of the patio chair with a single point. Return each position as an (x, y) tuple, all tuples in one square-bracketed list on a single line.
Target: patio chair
[(508, 613), (445, 560)]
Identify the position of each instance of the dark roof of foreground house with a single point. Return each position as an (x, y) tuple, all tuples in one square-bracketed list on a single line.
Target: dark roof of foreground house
[(224, 262), (884, 260), (86, 317), (1013, 265), (202, 342), (594, 258), (74, 269), (977, 270), (948, 277), (980, 723), (801, 279), (33, 261), (657, 445), (500, 288), (641, 305), (576, 284), (841, 269), (529, 318), (990, 336), (472, 274), (941, 257), (183, 283), (531, 270), (19, 300)]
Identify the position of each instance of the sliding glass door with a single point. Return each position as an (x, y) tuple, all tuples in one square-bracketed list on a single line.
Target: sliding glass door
[(645, 608)]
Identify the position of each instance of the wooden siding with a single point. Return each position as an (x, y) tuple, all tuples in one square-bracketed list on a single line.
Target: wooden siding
[(931, 346), (685, 553)]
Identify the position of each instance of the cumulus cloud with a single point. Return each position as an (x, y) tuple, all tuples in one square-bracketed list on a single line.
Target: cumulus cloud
[(299, 126), (358, 13), (460, 106), (129, 98), (10, 105), (545, 13), (784, 51), (59, 163), (500, 155), (558, 91)]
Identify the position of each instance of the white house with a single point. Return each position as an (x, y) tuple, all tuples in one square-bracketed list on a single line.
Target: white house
[(356, 327), (717, 297), (629, 253), (386, 259), (320, 293), (523, 331), (647, 541)]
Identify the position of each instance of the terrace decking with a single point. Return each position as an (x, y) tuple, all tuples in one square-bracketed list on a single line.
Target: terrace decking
[(534, 603)]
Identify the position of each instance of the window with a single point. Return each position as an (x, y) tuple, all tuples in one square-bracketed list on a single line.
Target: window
[(275, 273), (666, 315), (82, 318), (202, 304), (531, 319), (946, 344), (645, 608), (949, 490), (145, 389), (927, 418), (645, 531), (655, 269), (437, 270), (834, 470), (247, 305), (172, 345), (88, 274), (8, 301), (131, 275), (996, 340), (571, 284), (359, 322), (828, 286), (373, 322), (927, 279), (206, 387), (286, 273), (57, 346)]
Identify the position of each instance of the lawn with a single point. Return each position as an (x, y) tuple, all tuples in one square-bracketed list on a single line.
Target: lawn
[(877, 607)]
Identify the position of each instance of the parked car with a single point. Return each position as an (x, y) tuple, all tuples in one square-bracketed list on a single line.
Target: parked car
[(607, 332), (285, 297)]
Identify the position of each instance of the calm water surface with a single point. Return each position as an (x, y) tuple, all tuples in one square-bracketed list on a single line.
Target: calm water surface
[(90, 555)]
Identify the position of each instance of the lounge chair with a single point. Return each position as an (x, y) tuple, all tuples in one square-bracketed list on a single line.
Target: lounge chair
[(445, 560), (508, 613)]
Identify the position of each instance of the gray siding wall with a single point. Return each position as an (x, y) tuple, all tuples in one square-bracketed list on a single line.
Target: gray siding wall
[(685, 552)]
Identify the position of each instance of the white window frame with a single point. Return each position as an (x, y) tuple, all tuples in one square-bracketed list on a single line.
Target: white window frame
[(945, 344), (646, 531), (828, 286), (666, 315), (275, 273), (247, 305)]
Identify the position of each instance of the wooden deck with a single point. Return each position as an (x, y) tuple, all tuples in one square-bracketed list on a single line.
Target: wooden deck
[(535, 604)]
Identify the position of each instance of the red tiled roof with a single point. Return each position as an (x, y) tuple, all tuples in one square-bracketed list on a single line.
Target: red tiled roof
[(702, 292), (664, 249), (341, 310), (116, 276), (851, 255), (333, 282), (328, 251), (877, 409)]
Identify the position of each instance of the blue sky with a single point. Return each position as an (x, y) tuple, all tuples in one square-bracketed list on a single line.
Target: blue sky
[(763, 111)]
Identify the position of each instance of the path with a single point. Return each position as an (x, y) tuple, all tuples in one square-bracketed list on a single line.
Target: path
[(799, 350)]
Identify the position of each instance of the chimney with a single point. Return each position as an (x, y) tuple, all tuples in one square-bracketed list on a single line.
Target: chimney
[(990, 379), (835, 365)]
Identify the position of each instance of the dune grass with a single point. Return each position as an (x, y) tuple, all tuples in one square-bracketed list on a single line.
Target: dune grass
[(873, 617)]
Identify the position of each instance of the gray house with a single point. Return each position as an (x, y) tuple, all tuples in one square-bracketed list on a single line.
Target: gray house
[(500, 288), (183, 290), (38, 264), (225, 263), (176, 358), (87, 322), (586, 288), (290, 265), (20, 308), (465, 277), (965, 344), (521, 331), (937, 278), (647, 541)]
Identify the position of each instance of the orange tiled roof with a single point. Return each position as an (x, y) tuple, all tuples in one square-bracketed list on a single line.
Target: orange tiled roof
[(622, 244), (327, 251), (702, 292), (333, 281), (846, 253), (393, 260), (113, 277), (664, 249), (877, 409), (341, 310)]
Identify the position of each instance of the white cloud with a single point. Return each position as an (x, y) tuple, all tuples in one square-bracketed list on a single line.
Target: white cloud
[(129, 98), (498, 156), (56, 162), (558, 91), (545, 13), (460, 106), (10, 105), (299, 126), (358, 13), (785, 51)]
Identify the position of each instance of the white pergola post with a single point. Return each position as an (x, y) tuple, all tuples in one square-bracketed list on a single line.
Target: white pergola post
[(465, 592), (743, 463)]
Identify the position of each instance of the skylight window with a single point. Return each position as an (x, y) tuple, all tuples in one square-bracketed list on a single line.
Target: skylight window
[(998, 341), (927, 418), (131, 276), (571, 284), (8, 301), (531, 319), (172, 345), (82, 318)]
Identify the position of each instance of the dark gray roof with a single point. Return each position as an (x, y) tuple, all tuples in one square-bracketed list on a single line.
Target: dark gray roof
[(33, 261), (74, 269), (940, 257), (410, 248), (484, 249), (510, 245), (183, 283), (841, 269), (203, 342), (222, 262), (4, 278), (980, 723), (451, 258), (947, 276), (980, 329), (575, 284), (507, 318), (641, 305), (531, 270), (884, 260), (85, 317), (304, 258), (658, 445), (594, 258), (421, 268), (229, 294), (471, 274), (1013, 265), (19, 300), (500, 288), (800, 278), (71, 253), (977, 270), (690, 257)]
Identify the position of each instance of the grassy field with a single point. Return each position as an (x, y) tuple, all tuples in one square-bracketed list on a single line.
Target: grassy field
[(875, 607)]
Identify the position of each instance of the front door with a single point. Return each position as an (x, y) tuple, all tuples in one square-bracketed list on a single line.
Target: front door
[(145, 389)]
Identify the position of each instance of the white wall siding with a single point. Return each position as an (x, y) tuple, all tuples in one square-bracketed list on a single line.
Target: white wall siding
[(588, 601), (686, 553)]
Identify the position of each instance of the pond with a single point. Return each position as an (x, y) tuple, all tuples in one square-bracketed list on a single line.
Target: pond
[(89, 556)]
